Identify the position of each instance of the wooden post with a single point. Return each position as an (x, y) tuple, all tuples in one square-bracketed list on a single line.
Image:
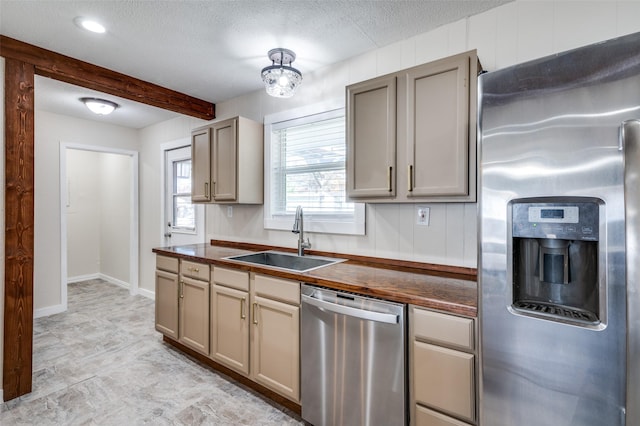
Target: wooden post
[(19, 221)]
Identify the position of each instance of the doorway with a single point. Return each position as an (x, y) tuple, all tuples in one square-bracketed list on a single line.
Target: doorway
[(183, 222), (99, 216)]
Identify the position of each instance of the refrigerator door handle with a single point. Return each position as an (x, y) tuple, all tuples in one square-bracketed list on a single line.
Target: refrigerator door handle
[(630, 144)]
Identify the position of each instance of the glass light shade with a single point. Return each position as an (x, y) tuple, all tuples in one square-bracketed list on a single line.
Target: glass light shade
[(281, 81), (89, 25), (99, 106)]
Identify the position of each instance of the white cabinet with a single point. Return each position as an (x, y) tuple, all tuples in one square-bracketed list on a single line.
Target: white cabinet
[(411, 135), (227, 159), (443, 368)]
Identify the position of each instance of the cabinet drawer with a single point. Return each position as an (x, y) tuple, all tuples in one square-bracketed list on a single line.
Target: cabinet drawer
[(275, 288), (199, 271), (426, 417), (444, 379), (230, 278), (167, 263), (442, 328)]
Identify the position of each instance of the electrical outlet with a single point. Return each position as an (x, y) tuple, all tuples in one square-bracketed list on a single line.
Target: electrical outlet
[(229, 211), (422, 215)]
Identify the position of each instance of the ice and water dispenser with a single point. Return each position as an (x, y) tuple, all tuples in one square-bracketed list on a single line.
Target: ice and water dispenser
[(555, 259)]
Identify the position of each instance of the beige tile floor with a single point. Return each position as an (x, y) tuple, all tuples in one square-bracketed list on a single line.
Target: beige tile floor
[(102, 363)]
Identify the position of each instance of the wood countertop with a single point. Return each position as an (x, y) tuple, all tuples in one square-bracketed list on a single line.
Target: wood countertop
[(433, 287)]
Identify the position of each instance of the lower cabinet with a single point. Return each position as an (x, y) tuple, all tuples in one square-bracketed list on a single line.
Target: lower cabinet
[(194, 314), (230, 319), (443, 369), (167, 285), (182, 302), (275, 337), (255, 328)]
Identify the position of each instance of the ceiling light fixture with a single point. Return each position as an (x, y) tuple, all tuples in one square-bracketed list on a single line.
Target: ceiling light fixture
[(89, 25), (280, 78), (99, 106)]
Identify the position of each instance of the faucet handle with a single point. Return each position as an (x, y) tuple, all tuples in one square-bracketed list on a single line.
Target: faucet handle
[(306, 243)]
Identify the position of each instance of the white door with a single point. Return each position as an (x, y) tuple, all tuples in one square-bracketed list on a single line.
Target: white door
[(184, 221)]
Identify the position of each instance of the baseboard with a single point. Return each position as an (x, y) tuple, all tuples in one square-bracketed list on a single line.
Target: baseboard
[(147, 293), (115, 281), (49, 310), (79, 278)]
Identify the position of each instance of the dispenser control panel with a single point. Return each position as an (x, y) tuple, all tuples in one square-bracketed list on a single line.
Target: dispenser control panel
[(562, 220)]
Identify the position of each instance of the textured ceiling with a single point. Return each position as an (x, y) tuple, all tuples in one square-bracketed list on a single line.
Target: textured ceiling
[(215, 49)]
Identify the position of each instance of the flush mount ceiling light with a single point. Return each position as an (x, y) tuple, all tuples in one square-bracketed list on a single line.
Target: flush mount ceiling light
[(89, 25), (99, 106), (280, 78)]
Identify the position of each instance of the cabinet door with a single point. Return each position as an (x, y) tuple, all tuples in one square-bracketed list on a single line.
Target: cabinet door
[(200, 166), (371, 138), (438, 128), (444, 379), (167, 303), (224, 157), (194, 314), (230, 327), (275, 346)]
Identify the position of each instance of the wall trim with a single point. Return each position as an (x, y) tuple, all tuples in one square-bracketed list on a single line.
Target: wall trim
[(49, 310), (147, 293)]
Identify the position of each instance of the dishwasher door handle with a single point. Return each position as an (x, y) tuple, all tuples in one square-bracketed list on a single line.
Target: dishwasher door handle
[(349, 311)]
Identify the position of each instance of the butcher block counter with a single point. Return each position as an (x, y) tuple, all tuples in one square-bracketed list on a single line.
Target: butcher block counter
[(443, 288)]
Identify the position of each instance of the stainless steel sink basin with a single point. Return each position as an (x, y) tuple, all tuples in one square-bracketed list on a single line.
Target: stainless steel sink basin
[(288, 261)]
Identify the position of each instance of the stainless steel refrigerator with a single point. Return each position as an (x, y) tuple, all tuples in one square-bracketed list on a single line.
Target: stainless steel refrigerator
[(559, 243)]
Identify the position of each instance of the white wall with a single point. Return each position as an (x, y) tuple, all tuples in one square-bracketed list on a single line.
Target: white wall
[(83, 213), (98, 224), (115, 208), (50, 130), (151, 158)]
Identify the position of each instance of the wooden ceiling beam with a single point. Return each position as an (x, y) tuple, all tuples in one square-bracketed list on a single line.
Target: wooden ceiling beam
[(64, 68)]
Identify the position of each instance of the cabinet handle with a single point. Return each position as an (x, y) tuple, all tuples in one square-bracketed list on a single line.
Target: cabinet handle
[(206, 189), (410, 177), (181, 289), (255, 316), (242, 314), (389, 173)]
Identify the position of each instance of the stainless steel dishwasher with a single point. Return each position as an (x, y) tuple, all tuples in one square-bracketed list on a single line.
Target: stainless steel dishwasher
[(353, 359)]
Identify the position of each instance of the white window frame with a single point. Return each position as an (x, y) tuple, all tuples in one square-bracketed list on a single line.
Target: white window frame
[(317, 224)]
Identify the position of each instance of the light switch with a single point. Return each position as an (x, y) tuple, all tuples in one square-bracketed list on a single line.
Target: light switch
[(422, 215), (229, 211)]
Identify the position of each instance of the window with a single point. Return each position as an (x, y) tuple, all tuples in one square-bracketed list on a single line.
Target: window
[(306, 156), (184, 217)]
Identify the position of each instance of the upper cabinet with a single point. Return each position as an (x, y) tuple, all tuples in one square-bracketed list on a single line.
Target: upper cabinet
[(227, 162), (411, 135)]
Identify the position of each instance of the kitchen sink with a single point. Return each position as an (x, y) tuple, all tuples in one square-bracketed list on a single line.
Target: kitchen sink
[(289, 261)]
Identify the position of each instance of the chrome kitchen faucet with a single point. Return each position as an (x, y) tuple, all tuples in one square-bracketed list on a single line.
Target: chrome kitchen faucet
[(298, 228)]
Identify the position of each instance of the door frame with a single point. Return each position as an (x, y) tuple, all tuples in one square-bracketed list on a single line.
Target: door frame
[(134, 243), (167, 146)]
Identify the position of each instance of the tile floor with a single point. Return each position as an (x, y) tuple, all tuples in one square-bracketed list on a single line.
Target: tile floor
[(103, 363)]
